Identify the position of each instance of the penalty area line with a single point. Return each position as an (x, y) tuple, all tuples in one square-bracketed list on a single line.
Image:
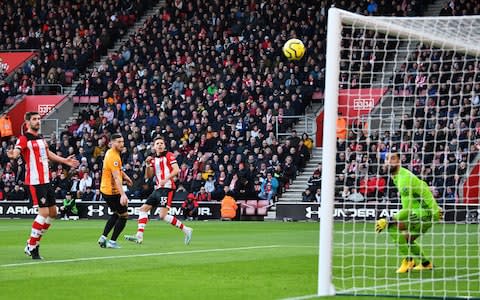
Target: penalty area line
[(80, 259)]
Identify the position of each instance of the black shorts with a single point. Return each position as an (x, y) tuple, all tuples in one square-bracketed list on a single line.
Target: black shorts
[(42, 195), (113, 202), (161, 197)]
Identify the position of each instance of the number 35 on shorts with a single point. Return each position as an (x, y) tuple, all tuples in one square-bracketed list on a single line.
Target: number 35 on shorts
[(163, 201)]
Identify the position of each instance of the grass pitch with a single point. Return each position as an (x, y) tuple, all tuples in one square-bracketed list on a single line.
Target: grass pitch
[(227, 260)]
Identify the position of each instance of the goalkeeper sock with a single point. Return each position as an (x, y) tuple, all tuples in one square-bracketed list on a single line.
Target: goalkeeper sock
[(417, 251), (400, 239)]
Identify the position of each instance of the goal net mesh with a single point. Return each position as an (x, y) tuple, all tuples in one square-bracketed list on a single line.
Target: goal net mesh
[(411, 85)]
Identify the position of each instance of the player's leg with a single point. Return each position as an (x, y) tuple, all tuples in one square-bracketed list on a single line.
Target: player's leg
[(52, 209), (396, 232), (112, 220), (38, 225), (38, 196), (152, 201), (119, 226), (141, 224), (424, 262), (122, 214), (165, 203), (52, 214)]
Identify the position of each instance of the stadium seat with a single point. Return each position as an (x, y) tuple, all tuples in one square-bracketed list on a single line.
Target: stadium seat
[(251, 208), (262, 207)]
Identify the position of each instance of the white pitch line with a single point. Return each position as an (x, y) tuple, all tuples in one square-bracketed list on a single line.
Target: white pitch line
[(386, 286), (135, 255), (302, 297)]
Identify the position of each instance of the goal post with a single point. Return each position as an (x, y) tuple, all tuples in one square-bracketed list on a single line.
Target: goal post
[(325, 285), (413, 85)]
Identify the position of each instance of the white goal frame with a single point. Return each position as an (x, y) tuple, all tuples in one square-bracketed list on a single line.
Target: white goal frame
[(401, 27)]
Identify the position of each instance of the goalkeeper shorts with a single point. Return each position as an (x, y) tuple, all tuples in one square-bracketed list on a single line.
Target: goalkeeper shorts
[(417, 228)]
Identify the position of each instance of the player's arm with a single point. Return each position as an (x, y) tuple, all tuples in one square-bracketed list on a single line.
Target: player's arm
[(116, 174), (149, 171), (69, 161), (13, 153), (127, 178), (117, 178), (16, 151)]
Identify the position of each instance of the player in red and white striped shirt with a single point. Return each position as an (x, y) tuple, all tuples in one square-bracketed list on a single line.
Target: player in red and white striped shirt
[(164, 167), (34, 150)]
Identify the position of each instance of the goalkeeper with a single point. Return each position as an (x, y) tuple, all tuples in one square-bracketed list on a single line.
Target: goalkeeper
[(419, 211)]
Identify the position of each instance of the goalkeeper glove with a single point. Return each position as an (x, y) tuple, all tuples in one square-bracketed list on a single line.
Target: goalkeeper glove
[(381, 225), (440, 214)]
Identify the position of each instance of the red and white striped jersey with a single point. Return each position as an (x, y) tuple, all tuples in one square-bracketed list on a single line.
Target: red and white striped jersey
[(34, 150), (163, 167)]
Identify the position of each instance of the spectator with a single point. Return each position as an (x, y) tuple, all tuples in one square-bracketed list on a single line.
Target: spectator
[(307, 141), (307, 196), (315, 181), (268, 190), (197, 183), (210, 185), (85, 182), (6, 192), (88, 195), (203, 195), (190, 207), (75, 187), (355, 196), (97, 196), (134, 191), (318, 194), (18, 194)]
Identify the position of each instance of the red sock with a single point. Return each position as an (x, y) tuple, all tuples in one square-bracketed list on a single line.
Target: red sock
[(174, 221), (142, 222), (48, 222), (36, 233)]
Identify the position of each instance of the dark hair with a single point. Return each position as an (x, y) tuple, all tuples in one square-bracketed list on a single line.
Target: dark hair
[(28, 115), (395, 152), (116, 136), (158, 138)]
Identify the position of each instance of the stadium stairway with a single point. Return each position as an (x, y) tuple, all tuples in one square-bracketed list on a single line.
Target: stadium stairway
[(294, 192), (121, 41), (388, 115), (66, 113)]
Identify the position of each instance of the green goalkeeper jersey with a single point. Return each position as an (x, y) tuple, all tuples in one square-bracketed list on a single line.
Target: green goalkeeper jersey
[(418, 203)]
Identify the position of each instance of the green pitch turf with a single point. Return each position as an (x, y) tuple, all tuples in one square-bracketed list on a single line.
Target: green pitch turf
[(226, 260)]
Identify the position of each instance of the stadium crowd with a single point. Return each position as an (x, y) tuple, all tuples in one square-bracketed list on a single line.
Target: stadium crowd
[(66, 35), (213, 86), (438, 139), (209, 76)]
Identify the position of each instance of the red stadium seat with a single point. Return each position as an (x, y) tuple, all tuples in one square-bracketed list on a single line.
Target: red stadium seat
[(262, 207)]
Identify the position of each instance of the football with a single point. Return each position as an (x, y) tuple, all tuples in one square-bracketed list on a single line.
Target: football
[(293, 49)]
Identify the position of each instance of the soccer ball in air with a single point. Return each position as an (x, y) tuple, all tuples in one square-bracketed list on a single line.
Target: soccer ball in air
[(293, 49)]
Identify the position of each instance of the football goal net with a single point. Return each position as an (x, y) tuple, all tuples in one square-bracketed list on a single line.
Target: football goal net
[(409, 86)]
